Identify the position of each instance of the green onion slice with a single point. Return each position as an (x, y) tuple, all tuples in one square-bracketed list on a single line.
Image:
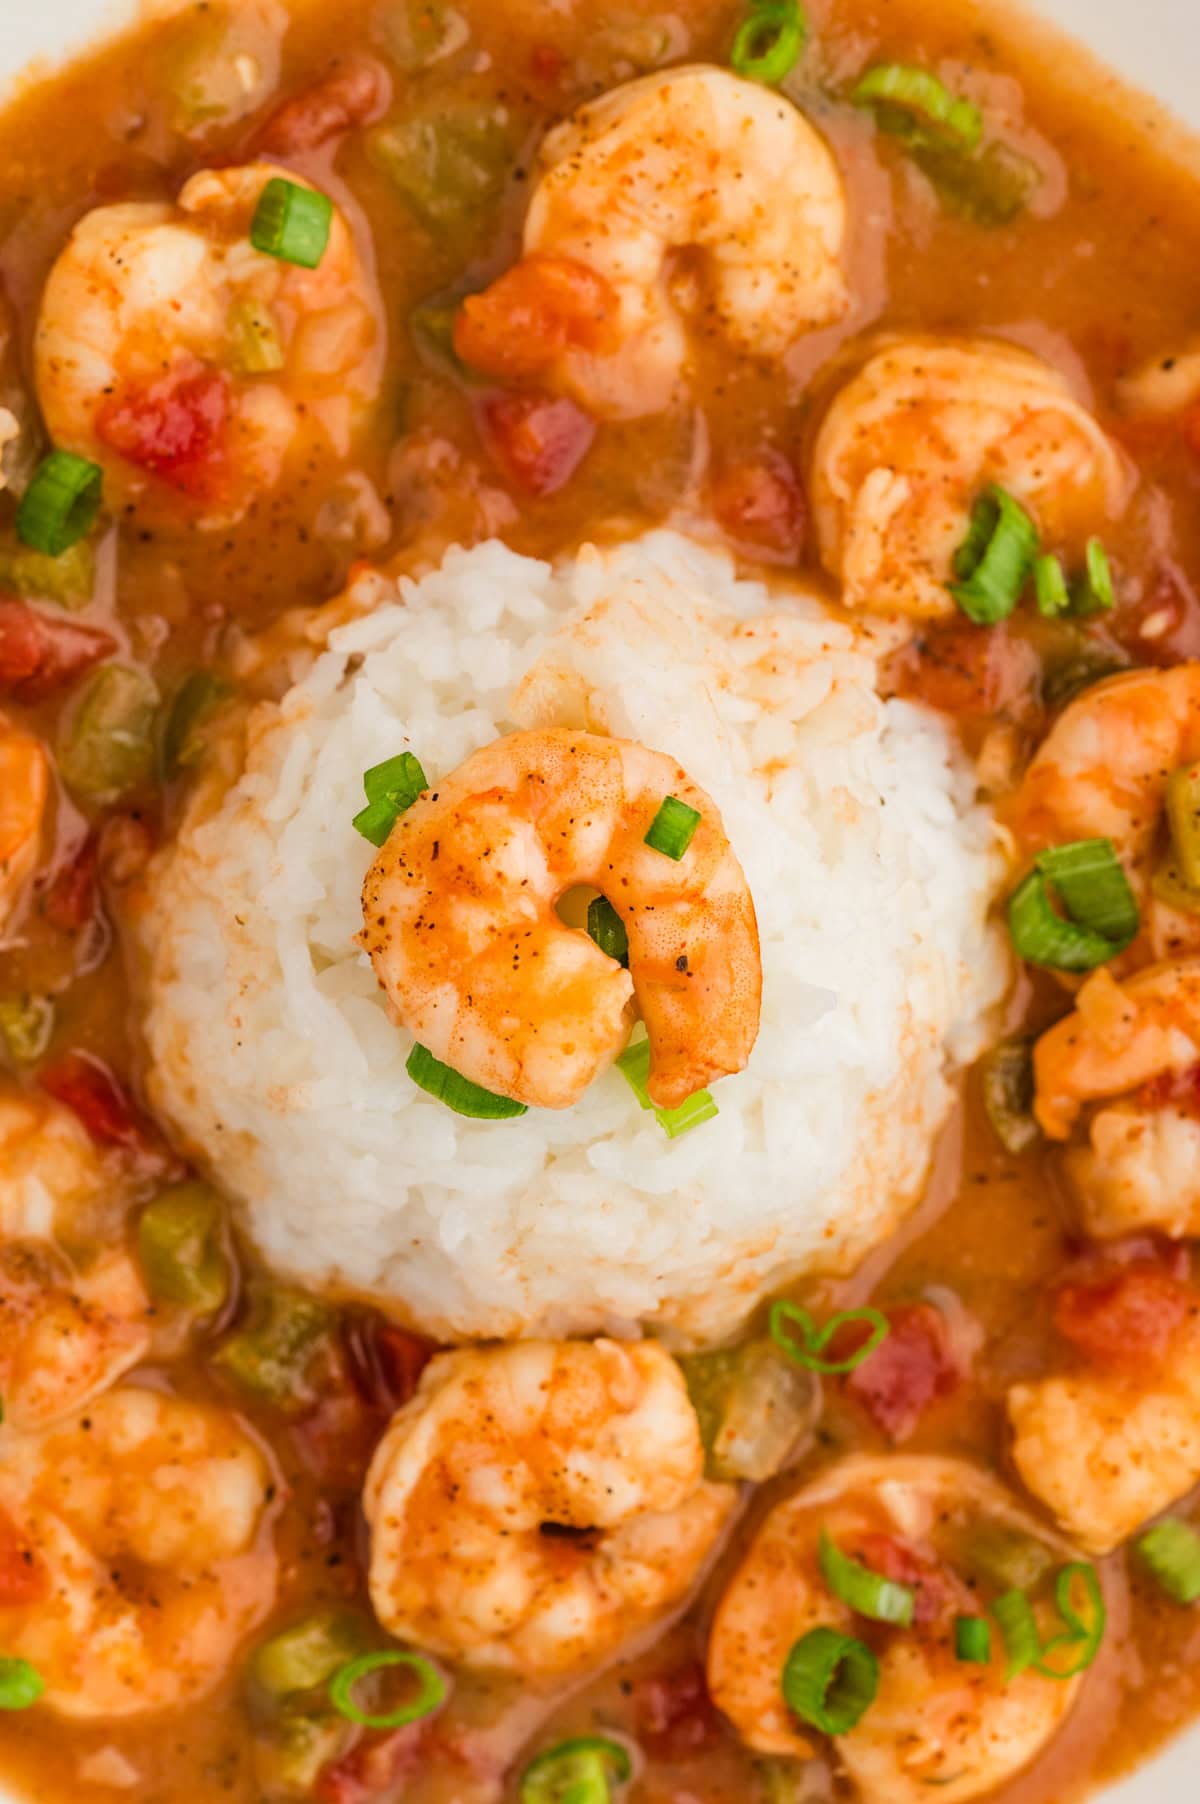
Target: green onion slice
[(867, 1593), (606, 927), (808, 1350), (1053, 595), (61, 503), (582, 1770), (1018, 1626), (292, 223), (21, 1685), (458, 1092), (673, 828), (1101, 909), (769, 41), (1073, 1651), (830, 1680), (1170, 1551), (909, 100), (391, 789), (993, 563), (432, 1689), (1094, 591), (634, 1066), (972, 1641)]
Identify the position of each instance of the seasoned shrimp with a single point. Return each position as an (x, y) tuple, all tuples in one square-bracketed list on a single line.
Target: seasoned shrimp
[(910, 443), (194, 368), (24, 786), (150, 1557), (536, 1506), (691, 160), (460, 922), (936, 1722)]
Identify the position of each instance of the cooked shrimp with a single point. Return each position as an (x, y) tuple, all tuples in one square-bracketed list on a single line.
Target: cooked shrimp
[(192, 367), (691, 160), (936, 1722), (24, 785), (67, 1332), (537, 1506), (146, 1522), (461, 925), (912, 441)]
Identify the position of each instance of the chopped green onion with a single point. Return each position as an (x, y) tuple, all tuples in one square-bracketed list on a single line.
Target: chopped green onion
[(107, 747), (391, 789), (972, 1640), (1007, 1086), (830, 1680), (432, 1689), (1053, 595), (993, 563), (21, 1685), (1170, 1552), (912, 102), (292, 223), (308, 1653), (809, 1350), (583, 1770), (61, 503), (867, 1593), (606, 927), (1183, 817), (673, 828), (269, 1357), (458, 1092), (1101, 909), (255, 346), (26, 1027), (193, 705), (755, 1408), (634, 1066), (69, 579), (769, 41), (1093, 592), (1080, 1642), (1018, 1625), (179, 1246)]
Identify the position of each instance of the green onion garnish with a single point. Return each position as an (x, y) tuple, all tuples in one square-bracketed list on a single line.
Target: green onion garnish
[(972, 1641), (1183, 817), (830, 1680), (391, 789), (431, 1688), (458, 1092), (993, 563), (583, 1770), (606, 927), (1101, 909), (808, 1350), (867, 1593), (21, 1685), (1053, 595), (1170, 1551), (61, 503), (1064, 1656), (912, 103), (673, 828), (769, 41), (1018, 1625), (634, 1066), (292, 223), (1093, 592)]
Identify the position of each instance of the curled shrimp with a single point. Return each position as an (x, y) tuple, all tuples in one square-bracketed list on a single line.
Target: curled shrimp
[(461, 923), (537, 1506), (693, 160), (24, 787), (69, 1328), (914, 438), (146, 1525), (935, 1722), (194, 369)]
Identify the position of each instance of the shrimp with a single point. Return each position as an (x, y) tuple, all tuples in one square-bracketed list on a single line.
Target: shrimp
[(67, 1332), (24, 788), (460, 922), (911, 442), (146, 1525), (935, 1722), (1102, 772), (193, 368), (536, 1506), (693, 160)]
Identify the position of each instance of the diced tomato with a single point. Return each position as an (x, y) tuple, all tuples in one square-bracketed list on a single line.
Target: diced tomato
[(963, 669), (22, 1579), (176, 427), (760, 505), (372, 1767), (894, 1559), (90, 1089), (546, 64), (910, 1371), (539, 442), (1128, 1320), (356, 95), (523, 323), (675, 1715), (39, 654), (1172, 1090), (69, 903)]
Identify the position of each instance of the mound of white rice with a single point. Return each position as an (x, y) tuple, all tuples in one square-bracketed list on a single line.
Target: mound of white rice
[(871, 868)]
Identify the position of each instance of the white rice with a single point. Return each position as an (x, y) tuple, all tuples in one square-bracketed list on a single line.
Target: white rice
[(872, 870)]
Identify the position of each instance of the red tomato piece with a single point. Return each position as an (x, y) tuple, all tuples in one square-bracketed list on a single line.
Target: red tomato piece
[(356, 95), (403, 1357), (539, 442), (896, 1560), (38, 654), (88, 1087), (373, 1766), (176, 427), (760, 506), (532, 313), (22, 1579), (675, 1715), (912, 1369), (546, 64), (963, 669), (1127, 1320), (69, 903), (1173, 1090)]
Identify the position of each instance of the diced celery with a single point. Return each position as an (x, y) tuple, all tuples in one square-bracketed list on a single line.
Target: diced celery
[(418, 33), (270, 1354), (1006, 1557), (26, 1024), (309, 1652), (447, 164), (107, 747), (755, 1409), (290, 1755), (218, 64), (1183, 816), (179, 1244), (255, 347), (68, 580)]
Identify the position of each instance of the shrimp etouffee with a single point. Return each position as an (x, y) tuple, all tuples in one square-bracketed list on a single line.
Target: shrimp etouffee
[(886, 307)]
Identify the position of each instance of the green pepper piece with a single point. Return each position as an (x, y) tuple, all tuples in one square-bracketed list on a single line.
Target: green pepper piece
[(309, 1652), (69, 580), (448, 165), (989, 189), (754, 1407), (418, 33), (179, 1245), (1008, 1086), (107, 747), (1007, 1557), (270, 1354), (294, 1750), (195, 702)]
